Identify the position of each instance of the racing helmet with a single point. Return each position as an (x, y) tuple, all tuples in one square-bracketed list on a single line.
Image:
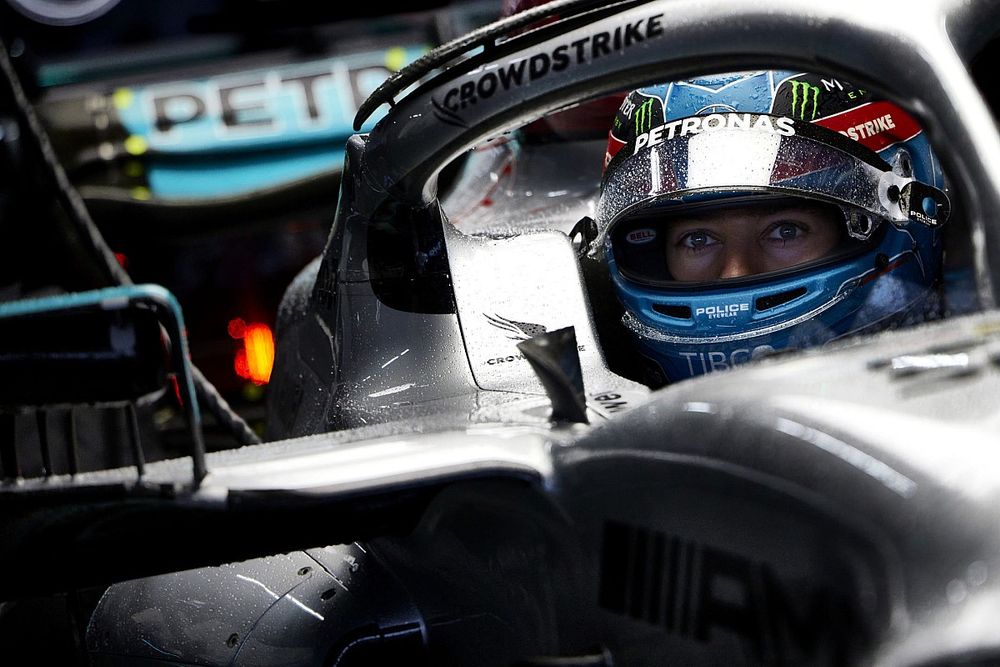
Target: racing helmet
[(771, 163)]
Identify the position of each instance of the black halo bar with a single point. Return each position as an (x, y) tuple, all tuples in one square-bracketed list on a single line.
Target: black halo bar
[(484, 37)]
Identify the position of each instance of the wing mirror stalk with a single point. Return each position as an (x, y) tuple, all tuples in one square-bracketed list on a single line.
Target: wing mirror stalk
[(556, 361)]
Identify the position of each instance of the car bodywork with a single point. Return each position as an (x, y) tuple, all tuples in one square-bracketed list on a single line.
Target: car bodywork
[(834, 507)]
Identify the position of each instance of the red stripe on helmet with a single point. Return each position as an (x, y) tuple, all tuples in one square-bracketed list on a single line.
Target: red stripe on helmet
[(875, 125)]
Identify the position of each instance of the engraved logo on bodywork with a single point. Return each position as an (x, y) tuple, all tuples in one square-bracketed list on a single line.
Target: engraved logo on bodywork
[(518, 330)]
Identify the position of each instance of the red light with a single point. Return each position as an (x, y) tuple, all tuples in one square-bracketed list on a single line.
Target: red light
[(240, 364), (258, 342), (236, 328), (177, 389), (122, 259)]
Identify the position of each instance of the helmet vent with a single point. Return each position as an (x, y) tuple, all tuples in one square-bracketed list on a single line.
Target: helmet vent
[(677, 311), (775, 300)]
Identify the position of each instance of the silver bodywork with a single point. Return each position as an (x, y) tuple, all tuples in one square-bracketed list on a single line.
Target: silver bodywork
[(843, 503), (837, 506)]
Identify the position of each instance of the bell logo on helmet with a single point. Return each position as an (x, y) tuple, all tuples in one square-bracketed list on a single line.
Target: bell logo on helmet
[(640, 236)]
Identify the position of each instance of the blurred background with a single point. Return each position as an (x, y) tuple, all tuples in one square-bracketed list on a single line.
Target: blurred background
[(205, 138)]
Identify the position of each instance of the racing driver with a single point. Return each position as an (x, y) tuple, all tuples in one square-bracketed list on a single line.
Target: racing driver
[(747, 213)]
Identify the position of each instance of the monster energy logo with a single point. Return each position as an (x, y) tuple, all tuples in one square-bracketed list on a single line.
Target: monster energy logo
[(806, 90), (644, 117)]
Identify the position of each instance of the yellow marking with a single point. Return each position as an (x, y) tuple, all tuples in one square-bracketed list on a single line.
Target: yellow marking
[(395, 59), (253, 392), (136, 145), (122, 98), (141, 193), (987, 328)]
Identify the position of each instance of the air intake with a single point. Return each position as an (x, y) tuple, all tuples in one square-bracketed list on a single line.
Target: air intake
[(680, 312), (775, 300)]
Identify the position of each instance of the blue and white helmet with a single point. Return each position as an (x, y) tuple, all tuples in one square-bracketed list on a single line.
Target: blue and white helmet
[(744, 138)]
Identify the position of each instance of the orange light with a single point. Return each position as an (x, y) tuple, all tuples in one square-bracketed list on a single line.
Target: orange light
[(258, 342)]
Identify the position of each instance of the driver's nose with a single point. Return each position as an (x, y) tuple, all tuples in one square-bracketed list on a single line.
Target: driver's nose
[(737, 263)]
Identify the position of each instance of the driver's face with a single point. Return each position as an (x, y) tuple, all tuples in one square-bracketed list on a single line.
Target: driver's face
[(737, 242)]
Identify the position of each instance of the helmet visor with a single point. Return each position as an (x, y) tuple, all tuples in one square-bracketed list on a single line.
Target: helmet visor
[(658, 183), (733, 239)]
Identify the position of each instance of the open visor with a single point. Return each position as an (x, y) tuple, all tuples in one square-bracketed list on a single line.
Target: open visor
[(704, 159)]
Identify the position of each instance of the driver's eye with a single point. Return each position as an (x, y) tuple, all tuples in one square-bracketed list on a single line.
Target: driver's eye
[(696, 240), (786, 231)]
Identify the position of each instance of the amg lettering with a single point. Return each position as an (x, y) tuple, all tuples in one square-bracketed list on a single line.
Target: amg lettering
[(540, 65), (694, 590), (611, 401)]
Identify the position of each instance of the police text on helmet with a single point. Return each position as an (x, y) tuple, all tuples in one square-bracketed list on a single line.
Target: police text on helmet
[(728, 310)]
